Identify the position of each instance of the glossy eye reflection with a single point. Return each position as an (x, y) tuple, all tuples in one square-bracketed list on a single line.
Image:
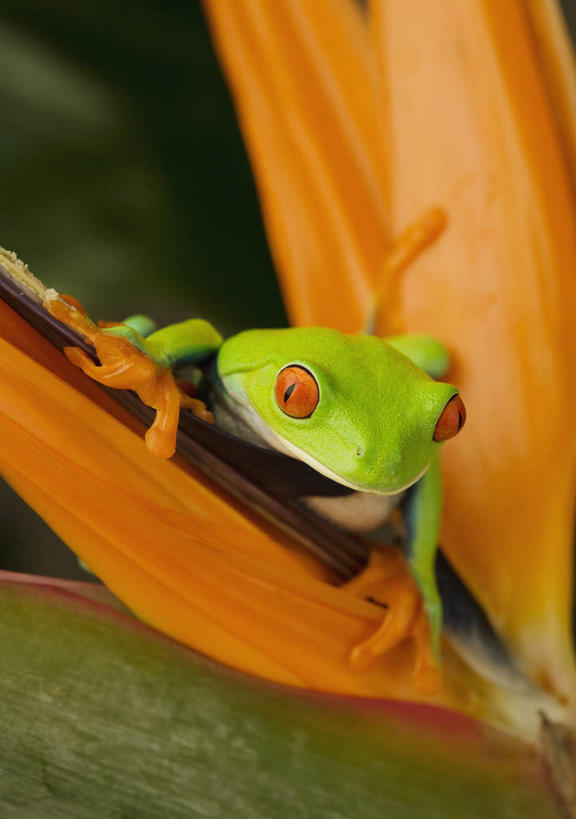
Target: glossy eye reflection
[(451, 420), (297, 392)]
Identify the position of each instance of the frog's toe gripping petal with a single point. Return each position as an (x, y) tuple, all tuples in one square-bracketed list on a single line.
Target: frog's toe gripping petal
[(124, 365), (402, 607), (387, 581), (78, 358), (162, 394), (116, 371), (386, 563), (197, 407)]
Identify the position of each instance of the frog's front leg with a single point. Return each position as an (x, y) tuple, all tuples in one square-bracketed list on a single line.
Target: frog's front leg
[(406, 588), (424, 505), (423, 518), (132, 361), (125, 367)]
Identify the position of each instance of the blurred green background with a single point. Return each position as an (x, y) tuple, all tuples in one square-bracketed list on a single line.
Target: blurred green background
[(124, 181)]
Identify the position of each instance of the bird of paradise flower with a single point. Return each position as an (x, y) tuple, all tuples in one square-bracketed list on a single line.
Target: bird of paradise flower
[(350, 138)]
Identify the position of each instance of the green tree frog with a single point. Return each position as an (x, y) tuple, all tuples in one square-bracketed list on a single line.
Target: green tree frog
[(363, 411)]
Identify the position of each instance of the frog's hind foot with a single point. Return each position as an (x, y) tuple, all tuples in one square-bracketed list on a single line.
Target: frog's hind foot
[(387, 582)]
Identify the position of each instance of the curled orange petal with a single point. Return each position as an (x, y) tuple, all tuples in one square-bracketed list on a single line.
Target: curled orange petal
[(174, 549), (301, 73), (473, 125)]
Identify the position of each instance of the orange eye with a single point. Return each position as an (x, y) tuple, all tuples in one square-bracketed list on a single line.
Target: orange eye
[(452, 419), (297, 392)]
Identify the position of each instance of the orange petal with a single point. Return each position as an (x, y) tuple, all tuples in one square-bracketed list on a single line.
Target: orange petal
[(474, 128), (300, 72), (558, 67), (169, 545)]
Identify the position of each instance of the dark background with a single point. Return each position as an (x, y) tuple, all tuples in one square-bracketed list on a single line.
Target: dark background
[(124, 181)]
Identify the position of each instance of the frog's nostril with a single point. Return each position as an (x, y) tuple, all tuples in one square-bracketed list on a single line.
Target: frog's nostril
[(451, 419), (360, 451)]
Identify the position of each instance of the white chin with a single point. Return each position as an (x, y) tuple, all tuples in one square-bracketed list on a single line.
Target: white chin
[(282, 445)]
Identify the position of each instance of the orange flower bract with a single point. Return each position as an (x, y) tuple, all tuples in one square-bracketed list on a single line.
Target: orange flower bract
[(174, 549), (500, 290), (356, 126), (471, 106)]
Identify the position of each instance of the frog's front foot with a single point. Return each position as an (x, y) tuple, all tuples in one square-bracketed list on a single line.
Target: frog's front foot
[(387, 582), (124, 366)]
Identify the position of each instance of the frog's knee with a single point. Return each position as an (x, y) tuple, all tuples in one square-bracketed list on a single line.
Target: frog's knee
[(423, 350), (143, 325)]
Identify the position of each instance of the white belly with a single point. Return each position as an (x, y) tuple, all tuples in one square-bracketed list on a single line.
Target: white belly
[(358, 512)]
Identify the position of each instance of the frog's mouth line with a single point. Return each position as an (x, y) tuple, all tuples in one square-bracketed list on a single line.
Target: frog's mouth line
[(243, 409), (289, 449), (272, 439)]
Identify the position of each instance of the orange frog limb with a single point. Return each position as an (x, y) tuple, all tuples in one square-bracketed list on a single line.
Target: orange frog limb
[(411, 243), (125, 366), (387, 581)]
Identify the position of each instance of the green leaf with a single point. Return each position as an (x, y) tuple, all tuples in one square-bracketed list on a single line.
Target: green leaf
[(103, 717)]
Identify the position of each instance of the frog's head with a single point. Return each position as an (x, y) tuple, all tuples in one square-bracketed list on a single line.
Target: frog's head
[(352, 407)]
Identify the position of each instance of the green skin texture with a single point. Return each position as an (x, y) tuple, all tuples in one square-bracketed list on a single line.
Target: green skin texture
[(373, 428)]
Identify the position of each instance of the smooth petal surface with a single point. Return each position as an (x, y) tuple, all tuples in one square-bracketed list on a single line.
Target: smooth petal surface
[(473, 127), (476, 101), (558, 67), (101, 716), (301, 73), (173, 549)]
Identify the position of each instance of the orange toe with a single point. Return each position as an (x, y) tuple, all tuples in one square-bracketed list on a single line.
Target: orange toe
[(402, 601), (385, 563), (77, 357), (124, 366), (388, 582), (196, 406)]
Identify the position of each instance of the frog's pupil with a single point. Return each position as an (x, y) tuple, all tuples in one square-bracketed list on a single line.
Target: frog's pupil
[(289, 392)]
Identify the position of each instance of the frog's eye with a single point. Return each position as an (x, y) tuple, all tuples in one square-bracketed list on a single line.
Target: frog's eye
[(451, 420), (297, 392)]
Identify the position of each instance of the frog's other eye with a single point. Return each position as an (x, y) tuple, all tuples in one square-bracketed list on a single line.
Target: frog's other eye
[(297, 392), (451, 420)]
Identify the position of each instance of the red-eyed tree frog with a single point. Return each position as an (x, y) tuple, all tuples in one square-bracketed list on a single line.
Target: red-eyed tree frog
[(366, 412)]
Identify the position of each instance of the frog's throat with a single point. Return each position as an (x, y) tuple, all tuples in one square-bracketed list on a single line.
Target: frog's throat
[(240, 406), (285, 446)]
